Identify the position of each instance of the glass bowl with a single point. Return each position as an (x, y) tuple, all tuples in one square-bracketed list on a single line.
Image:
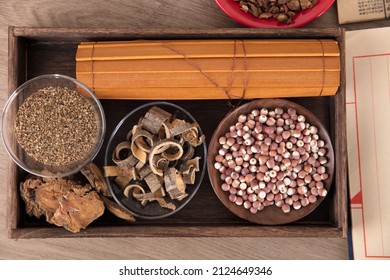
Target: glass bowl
[(30, 160), (270, 215), (232, 9), (152, 210)]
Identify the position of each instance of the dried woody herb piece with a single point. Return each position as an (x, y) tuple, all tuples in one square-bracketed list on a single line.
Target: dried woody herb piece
[(159, 159), (64, 202), (69, 204), (95, 177), (282, 10)]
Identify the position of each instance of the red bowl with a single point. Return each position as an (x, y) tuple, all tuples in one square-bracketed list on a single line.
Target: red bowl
[(232, 9)]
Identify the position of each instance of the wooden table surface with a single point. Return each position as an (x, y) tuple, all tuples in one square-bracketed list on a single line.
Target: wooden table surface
[(144, 14)]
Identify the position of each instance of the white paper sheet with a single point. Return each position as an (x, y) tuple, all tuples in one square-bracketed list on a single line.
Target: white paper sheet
[(368, 133)]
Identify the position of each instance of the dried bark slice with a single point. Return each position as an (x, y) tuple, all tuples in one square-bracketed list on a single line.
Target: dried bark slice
[(95, 177), (145, 171), (129, 161), (63, 202), (161, 147), (138, 153), (114, 171), (123, 181), (160, 162), (148, 197), (154, 182), (133, 187), (117, 210), (179, 126), (165, 132), (191, 136), (154, 119), (188, 152), (190, 177), (190, 164), (142, 138), (174, 184)]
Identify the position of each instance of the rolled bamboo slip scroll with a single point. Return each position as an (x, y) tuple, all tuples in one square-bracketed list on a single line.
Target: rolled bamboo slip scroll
[(209, 69)]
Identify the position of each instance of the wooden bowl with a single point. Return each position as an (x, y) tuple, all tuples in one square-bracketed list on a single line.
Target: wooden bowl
[(271, 215)]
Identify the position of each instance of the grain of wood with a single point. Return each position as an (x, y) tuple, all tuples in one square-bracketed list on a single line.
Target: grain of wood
[(165, 14)]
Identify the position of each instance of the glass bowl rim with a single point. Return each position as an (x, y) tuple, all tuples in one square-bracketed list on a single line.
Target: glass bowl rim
[(14, 95), (203, 167)]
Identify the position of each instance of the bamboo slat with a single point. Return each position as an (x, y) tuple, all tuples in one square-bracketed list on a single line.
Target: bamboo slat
[(171, 69), (206, 48), (176, 93), (255, 64), (195, 80)]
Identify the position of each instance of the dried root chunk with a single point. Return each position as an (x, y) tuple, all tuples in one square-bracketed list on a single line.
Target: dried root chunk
[(95, 177), (117, 210), (63, 202)]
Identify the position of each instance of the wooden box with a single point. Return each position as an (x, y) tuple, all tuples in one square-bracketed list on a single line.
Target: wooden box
[(37, 51)]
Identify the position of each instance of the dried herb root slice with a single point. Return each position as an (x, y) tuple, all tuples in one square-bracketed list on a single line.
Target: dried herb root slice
[(174, 184), (145, 171), (179, 126), (95, 177), (129, 161), (190, 164), (154, 119), (123, 181), (142, 138), (188, 152), (133, 187), (190, 177), (148, 197), (114, 171), (191, 136), (160, 148), (154, 182)]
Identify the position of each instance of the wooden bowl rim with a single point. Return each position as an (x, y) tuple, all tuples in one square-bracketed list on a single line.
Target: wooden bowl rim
[(271, 215)]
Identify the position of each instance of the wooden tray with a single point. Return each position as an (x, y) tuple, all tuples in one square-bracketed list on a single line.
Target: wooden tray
[(37, 51)]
